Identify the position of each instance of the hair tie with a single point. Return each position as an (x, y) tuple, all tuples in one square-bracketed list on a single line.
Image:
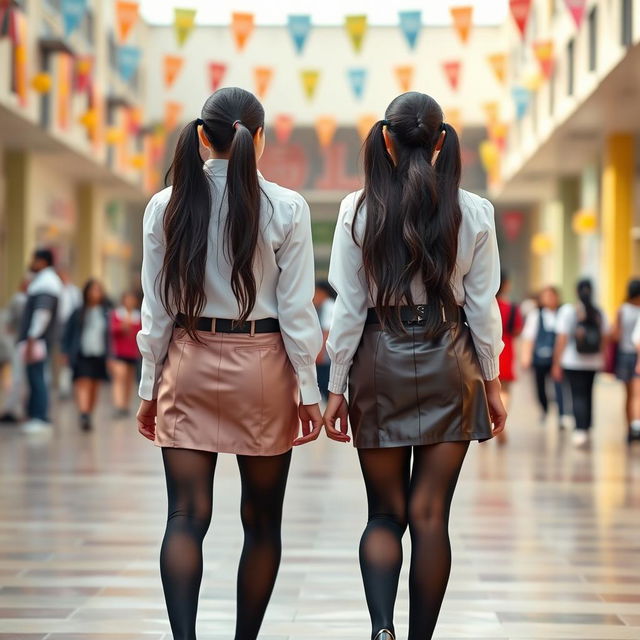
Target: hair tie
[(200, 121), (236, 124), (385, 123), (443, 126)]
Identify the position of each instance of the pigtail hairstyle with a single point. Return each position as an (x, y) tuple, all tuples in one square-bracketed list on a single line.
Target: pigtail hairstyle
[(230, 119), (413, 214)]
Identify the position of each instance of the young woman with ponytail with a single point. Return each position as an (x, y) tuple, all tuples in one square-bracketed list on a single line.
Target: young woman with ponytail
[(417, 332), (229, 341)]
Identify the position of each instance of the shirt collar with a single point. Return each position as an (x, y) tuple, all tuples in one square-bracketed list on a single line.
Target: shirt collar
[(218, 167)]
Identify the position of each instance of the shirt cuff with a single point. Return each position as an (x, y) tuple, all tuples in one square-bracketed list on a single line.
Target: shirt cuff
[(338, 377), (149, 380), (308, 381), (490, 367)]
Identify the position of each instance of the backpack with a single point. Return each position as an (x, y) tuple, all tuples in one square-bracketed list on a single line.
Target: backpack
[(588, 333), (544, 344)]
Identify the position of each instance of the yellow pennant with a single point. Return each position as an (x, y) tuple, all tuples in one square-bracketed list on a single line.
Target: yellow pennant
[(325, 129), (310, 79), (492, 111), (462, 21), (356, 28), (404, 76), (42, 82), (184, 21), (541, 244)]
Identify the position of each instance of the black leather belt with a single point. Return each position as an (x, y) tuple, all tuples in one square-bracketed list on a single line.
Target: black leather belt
[(408, 315), (224, 325)]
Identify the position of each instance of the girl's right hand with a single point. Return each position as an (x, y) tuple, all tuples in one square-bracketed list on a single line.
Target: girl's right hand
[(497, 412), (337, 410)]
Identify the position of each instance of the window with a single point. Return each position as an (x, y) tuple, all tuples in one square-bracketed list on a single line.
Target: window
[(626, 15), (88, 25), (593, 39), (571, 46)]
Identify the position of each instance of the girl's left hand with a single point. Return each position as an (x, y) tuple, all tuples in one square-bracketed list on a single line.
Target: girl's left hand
[(337, 411), (146, 418)]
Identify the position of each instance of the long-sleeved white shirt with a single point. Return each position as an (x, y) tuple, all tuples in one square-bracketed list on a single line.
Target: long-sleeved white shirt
[(475, 282), (284, 269)]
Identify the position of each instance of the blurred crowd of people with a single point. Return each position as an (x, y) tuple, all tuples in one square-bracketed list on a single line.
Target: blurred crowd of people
[(566, 346), (56, 336)]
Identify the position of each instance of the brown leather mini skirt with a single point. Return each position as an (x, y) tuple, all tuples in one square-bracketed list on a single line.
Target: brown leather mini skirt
[(231, 393), (409, 390)]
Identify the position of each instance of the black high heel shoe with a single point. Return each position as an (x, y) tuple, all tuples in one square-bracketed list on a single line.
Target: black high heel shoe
[(384, 634)]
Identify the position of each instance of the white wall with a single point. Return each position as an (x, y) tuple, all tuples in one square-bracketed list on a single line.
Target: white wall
[(329, 50)]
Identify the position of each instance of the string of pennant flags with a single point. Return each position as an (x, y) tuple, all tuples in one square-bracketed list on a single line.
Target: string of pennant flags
[(75, 74)]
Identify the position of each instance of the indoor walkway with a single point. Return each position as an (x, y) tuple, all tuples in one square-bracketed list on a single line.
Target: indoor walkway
[(546, 538)]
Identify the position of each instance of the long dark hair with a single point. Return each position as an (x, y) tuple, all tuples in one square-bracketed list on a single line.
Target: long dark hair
[(584, 289), (413, 214), (230, 119)]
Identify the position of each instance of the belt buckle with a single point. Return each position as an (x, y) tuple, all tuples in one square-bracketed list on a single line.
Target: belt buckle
[(420, 309)]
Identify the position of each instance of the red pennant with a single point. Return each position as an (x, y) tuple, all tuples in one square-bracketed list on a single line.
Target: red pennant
[(543, 51), (576, 9), (284, 127), (520, 10), (217, 72), (512, 223), (452, 71)]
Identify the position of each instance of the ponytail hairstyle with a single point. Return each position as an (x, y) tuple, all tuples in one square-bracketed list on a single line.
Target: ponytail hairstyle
[(413, 213), (230, 119), (584, 289)]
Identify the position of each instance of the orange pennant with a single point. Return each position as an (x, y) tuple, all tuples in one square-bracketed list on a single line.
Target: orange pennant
[(454, 118), (365, 124), (498, 63), (172, 113), (263, 77), (404, 75), (242, 28), (172, 67), (126, 18), (498, 133), (325, 129), (543, 50), (462, 21), (284, 126)]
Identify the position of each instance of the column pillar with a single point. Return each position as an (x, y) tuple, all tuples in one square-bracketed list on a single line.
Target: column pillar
[(617, 215), (19, 238), (89, 235)]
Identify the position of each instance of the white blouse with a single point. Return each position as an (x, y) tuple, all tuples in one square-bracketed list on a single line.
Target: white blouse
[(284, 269), (475, 283)]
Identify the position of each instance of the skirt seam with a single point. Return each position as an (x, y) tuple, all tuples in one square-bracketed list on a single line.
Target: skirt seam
[(460, 376), (220, 350), (175, 393), (261, 431), (415, 380), (375, 385)]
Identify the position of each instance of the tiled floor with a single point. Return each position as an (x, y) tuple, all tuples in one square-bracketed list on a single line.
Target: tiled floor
[(546, 539)]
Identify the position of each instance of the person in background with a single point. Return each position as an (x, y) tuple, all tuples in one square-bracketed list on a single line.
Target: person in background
[(581, 336), (86, 345), (511, 329), (124, 324), (13, 408), (539, 338), (37, 333), (324, 301), (627, 357), (70, 300)]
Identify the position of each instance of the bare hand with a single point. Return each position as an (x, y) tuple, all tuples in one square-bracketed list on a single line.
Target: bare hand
[(556, 373), (146, 418), (337, 411), (311, 419), (497, 412), (29, 349)]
